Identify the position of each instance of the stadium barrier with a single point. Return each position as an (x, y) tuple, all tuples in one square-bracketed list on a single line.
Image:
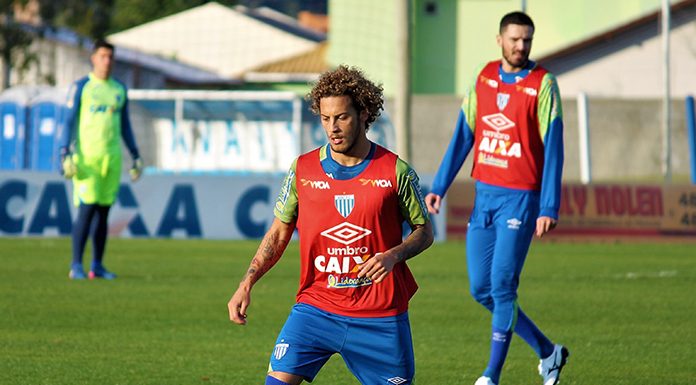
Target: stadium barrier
[(177, 130), (13, 121), (603, 210), (159, 205)]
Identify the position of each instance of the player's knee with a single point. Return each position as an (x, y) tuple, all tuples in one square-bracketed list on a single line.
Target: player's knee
[(482, 296), (504, 288), (504, 297), (274, 381)]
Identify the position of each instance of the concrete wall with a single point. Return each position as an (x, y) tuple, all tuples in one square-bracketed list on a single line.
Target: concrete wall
[(625, 137), (630, 65)]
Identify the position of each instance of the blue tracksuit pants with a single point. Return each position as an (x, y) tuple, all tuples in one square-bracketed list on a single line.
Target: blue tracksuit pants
[(500, 231)]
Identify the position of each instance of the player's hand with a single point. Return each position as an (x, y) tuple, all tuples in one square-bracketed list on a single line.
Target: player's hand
[(137, 170), (238, 304), (68, 167), (432, 201), (544, 225), (377, 267)]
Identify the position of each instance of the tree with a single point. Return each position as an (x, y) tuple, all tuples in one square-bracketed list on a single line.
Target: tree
[(14, 41), (87, 17)]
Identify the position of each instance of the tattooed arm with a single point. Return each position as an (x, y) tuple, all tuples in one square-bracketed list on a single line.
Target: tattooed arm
[(270, 250)]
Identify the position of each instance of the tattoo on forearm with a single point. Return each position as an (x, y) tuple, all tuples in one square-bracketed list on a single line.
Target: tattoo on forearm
[(414, 244), (266, 256), (268, 251)]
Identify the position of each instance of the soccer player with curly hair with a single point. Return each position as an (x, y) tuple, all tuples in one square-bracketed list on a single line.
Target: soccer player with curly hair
[(348, 200)]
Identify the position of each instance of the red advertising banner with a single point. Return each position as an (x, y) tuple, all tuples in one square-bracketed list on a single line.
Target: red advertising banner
[(601, 209)]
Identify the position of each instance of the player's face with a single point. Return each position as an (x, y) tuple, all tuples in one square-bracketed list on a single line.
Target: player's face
[(345, 129), (516, 44), (102, 62)]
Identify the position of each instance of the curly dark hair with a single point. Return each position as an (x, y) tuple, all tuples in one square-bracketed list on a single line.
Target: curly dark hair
[(348, 81)]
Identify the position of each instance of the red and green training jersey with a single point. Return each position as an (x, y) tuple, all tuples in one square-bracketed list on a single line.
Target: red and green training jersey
[(343, 223)]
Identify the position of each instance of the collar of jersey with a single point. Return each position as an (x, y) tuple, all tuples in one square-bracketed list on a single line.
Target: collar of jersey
[(514, 77), (338, 171), (93, 77)]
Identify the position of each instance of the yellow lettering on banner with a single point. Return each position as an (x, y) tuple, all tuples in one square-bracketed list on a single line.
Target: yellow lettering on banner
[(602, 209)]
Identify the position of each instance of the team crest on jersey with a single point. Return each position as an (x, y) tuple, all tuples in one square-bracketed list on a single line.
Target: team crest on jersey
[(344, 204), (502, 100)]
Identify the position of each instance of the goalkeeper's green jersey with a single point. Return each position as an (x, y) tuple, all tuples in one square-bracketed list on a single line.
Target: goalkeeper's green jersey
[(98, 118)]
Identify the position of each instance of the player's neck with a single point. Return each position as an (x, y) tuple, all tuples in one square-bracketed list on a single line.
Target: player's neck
[(356, 154), (101, 75), (509, 68)]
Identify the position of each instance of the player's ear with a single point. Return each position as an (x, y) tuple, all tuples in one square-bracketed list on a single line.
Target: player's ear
[(364, 115), (499, 40)]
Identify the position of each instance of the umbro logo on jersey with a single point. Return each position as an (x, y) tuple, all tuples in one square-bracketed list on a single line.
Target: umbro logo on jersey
[(317, 184), (346, 233), (498, 121)]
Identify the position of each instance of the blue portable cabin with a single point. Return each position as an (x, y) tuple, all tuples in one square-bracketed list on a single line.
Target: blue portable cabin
[(47, 113), (13, 122)]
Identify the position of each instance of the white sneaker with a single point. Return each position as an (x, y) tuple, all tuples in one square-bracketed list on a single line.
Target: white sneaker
[(484, 381), (550, 367)]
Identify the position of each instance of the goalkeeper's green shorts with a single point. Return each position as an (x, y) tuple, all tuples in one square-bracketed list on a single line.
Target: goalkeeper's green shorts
[(97, 179)]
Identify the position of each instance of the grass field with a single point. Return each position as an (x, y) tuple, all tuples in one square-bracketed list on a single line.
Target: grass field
[(626, 311)]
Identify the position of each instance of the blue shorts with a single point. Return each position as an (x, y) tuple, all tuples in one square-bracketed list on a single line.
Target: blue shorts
[(378, 351)]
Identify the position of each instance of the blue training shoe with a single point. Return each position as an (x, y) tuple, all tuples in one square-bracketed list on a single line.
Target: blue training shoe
[(102, 273), (77, 273)]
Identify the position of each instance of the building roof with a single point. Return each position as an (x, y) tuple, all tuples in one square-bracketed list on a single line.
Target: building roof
[(629, 61), (222, 40), (171, 69), (303, 67), (613, 36)]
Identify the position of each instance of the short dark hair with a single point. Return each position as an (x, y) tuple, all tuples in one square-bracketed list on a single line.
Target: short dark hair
[(101, 43), (518, 18), (348, 81)]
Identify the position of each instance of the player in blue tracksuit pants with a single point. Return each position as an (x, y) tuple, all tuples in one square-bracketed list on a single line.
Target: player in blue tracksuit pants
[(511, 119)]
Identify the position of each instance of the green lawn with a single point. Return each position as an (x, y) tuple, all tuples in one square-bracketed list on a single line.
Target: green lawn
[(626, 311)]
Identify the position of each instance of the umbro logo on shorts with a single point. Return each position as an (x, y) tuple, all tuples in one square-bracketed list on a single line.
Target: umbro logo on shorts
[(514, 223), (397, 380)]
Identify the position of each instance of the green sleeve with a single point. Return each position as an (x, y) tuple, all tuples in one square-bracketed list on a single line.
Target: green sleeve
[(286, 205), (411, 201), (469, 103), (549, 107)]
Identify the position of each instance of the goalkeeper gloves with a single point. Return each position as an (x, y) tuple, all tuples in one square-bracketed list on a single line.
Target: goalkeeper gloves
[(68, 166), (137, 170)]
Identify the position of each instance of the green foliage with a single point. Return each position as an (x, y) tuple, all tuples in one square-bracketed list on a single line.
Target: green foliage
[(14, 43), (98, 18), (625, 311), (88, 17)]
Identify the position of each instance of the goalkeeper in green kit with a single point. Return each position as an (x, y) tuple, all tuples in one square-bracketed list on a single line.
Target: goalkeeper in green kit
[(91, 156)]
